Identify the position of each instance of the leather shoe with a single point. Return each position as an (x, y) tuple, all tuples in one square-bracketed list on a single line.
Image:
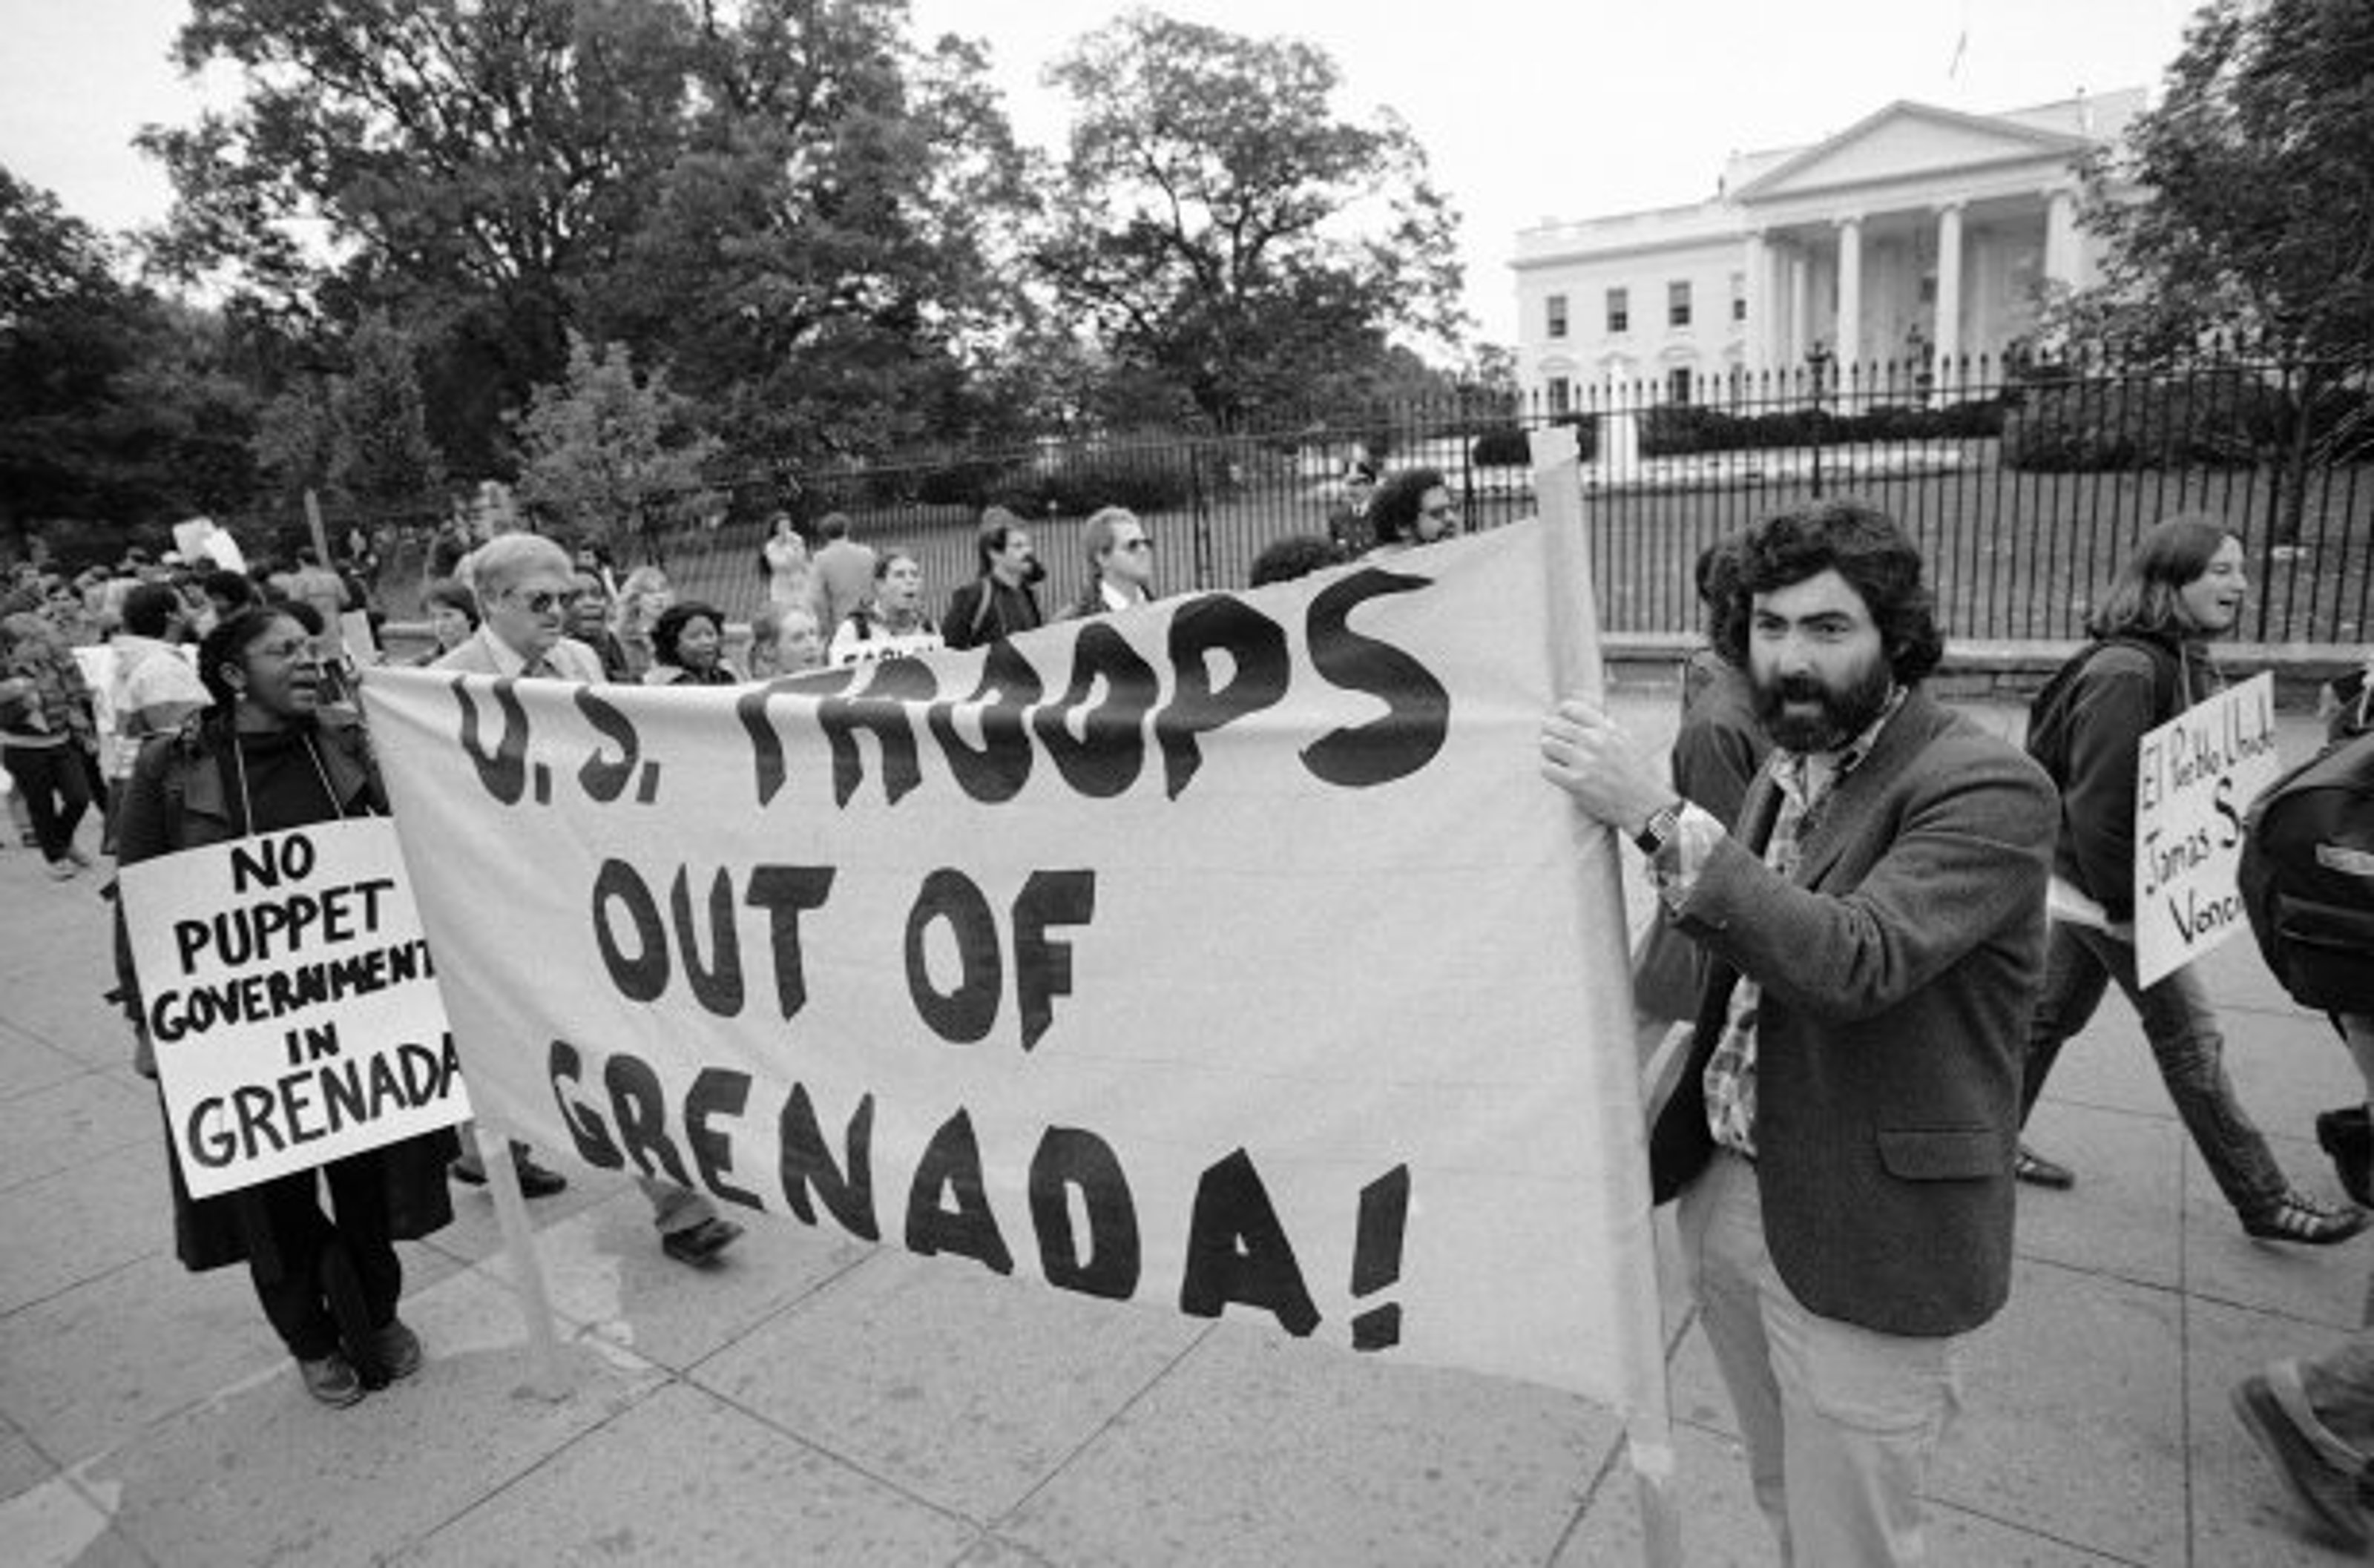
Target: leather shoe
[(535, 1181), (700, 1245), (2325, 1491), (331, 1379), (396, 1349), (2347, 1136), (2036, 1171)]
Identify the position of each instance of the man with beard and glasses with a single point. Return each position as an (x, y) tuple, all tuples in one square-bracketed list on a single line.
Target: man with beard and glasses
[(1841, 1140)]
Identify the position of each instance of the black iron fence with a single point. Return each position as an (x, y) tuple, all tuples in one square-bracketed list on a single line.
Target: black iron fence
[(2025, 483)]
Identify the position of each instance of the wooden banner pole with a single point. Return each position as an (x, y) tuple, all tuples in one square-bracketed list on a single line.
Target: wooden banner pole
[(1576, 667)]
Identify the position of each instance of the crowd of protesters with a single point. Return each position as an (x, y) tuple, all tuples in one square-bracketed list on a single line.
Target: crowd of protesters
[(1840, 862)]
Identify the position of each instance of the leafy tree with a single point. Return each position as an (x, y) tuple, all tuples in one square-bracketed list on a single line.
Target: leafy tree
[(820, 262), (2255, 213), (468, 163), (783, 200), (117, 410), (383, 457), (1219, 224), (613, 456)]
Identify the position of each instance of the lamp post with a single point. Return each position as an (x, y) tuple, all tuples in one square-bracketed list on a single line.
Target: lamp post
[(1817, 363)]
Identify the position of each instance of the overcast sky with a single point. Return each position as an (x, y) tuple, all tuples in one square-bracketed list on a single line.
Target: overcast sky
[(1527, 110)]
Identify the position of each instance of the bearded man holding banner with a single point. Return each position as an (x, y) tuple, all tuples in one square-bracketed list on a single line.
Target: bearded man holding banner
[(1841, 1141), (526, 587)]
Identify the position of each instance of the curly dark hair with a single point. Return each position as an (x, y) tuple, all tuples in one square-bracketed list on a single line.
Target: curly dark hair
[(669, 629), (227, 644), (1297, 554), (1865, 545), (1392, 511)]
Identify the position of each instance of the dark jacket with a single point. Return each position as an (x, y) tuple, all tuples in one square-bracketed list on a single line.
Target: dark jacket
[(1897, 967), (2125, 689), (985, 611), (177, 799)]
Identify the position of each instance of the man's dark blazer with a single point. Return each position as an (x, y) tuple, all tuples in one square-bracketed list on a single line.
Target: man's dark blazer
[(1897, 967)]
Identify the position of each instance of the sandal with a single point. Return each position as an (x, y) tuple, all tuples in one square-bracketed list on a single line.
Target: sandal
[(2312, 1221)]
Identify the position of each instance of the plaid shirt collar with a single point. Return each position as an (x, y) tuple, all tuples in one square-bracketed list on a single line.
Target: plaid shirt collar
[(1805, 776)]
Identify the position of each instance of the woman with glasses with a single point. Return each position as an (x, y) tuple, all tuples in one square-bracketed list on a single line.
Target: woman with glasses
[(1414, 508), (261, 760)]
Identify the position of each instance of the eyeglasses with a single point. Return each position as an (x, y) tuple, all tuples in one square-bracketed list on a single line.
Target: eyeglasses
[(545, 601)]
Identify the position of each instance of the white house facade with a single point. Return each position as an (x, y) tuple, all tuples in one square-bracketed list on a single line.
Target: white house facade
[(1919, 236)]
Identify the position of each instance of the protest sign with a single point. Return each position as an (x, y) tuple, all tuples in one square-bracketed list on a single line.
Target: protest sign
[(2195, 775), (289, 993), (1224, 955)]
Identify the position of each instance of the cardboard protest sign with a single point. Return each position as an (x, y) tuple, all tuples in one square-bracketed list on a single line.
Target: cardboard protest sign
[(1225, 955), (288, 992), (2195, 775)]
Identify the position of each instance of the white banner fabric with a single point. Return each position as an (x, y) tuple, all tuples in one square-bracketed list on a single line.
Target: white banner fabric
[(1226, 955), (2195, 777), (289, 996)]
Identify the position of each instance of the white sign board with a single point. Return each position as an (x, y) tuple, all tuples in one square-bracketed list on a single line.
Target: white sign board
[(288, 990), (1225, 955), (2195, 777)]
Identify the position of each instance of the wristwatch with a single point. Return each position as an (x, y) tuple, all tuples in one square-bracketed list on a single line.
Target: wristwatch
[(1658, 830)]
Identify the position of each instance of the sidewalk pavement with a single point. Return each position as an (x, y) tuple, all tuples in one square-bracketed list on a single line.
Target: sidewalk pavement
[(815, 1401)]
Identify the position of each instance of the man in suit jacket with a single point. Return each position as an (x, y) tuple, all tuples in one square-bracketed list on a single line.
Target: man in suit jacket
[(1842, 1140), (526, 587)]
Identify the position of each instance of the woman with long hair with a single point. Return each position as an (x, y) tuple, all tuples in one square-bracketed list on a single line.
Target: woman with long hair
[(643, 597), (261, 760), (2148, 660)]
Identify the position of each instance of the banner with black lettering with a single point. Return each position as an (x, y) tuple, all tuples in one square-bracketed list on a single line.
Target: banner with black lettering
[(290, 1000), (2195, 778), (1226, 955)]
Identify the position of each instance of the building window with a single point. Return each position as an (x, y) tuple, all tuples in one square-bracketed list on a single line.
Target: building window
[(1677, 381), (1561, 395), (1558, 315), (1677, 304), (1620, 310), (1739, 296)]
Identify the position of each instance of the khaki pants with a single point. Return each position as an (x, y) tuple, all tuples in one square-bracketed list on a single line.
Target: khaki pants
[(1839, 1422)]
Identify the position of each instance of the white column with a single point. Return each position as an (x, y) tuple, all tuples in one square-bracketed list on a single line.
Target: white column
[(1949, 290), (1801, 304), (1758, 336), (2061, 260), (1850, 343)]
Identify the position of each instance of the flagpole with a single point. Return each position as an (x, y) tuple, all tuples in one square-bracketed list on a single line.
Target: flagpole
[(1575, 666), (547, 1375)]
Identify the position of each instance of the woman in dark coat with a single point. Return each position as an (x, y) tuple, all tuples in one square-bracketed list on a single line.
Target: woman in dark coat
[(689, 648), (260, 761)]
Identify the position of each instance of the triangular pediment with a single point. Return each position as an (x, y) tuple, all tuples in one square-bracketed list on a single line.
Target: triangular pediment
[(1908, 141)]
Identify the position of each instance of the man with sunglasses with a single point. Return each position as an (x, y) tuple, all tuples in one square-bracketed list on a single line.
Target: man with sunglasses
[(527, 588), (1121, 563)]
